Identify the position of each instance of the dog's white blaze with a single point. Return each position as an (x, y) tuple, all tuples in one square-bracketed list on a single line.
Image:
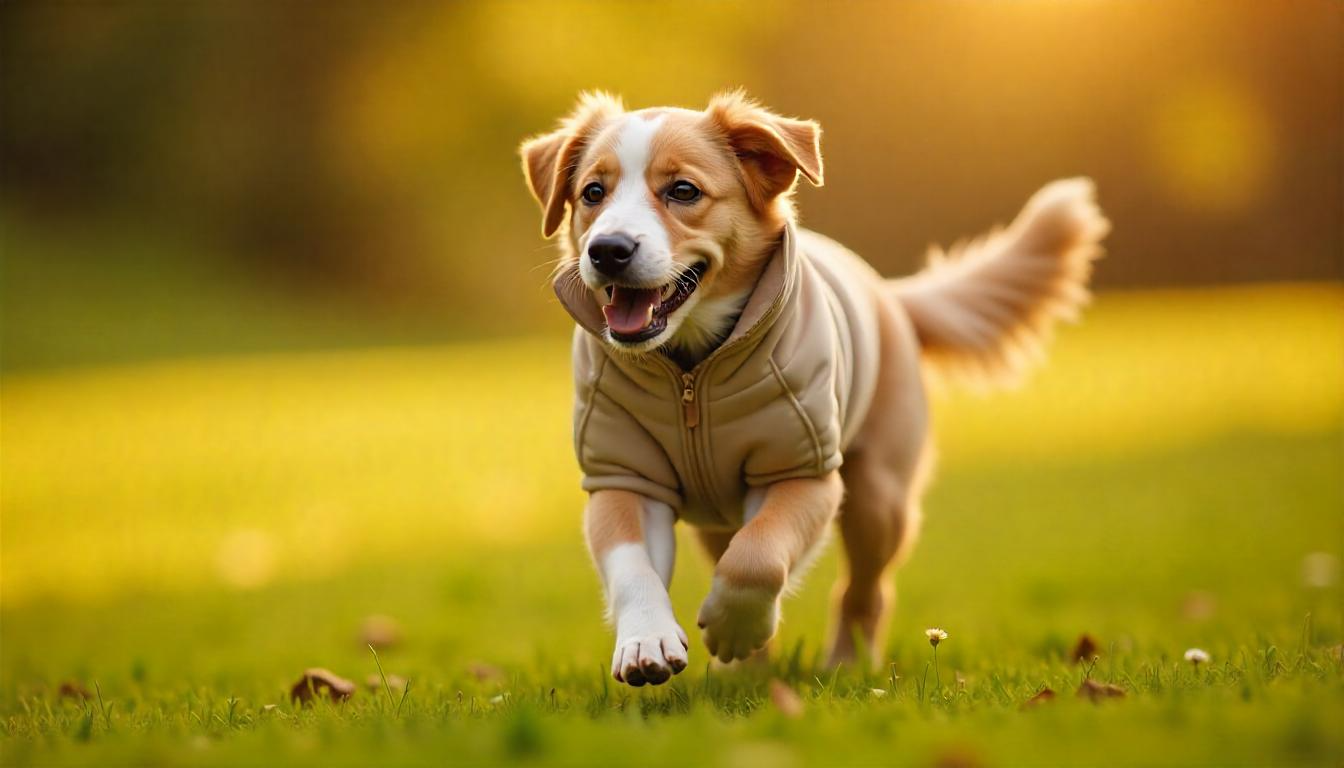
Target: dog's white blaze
[(630, 212)]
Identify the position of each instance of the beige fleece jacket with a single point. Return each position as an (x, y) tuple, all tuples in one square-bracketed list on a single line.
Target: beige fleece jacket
[(780, 398)]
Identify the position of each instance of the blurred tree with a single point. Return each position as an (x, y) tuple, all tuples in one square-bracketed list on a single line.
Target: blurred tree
[(368, 149)]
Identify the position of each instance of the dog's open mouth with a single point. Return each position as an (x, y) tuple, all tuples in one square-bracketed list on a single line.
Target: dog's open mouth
[(639, 314)]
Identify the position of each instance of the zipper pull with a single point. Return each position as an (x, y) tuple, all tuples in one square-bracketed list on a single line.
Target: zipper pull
[(688, 405)]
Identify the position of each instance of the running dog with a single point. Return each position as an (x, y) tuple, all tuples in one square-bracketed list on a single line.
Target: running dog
[(758, 381)]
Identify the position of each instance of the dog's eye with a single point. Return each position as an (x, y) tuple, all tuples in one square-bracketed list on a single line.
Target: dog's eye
[(593, 193), (684, 192)]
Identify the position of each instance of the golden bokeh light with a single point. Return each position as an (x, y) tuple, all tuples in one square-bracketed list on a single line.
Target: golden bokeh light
[(1211, 145)]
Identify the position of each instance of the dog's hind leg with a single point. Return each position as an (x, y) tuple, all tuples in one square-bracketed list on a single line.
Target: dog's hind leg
[(884, 474)]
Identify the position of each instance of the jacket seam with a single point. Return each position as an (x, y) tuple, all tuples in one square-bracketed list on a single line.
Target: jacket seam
[(802, 414), (706, 446), (588, 406)]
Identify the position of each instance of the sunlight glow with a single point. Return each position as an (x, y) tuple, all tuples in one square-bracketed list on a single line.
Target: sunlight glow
[(1211, 145)]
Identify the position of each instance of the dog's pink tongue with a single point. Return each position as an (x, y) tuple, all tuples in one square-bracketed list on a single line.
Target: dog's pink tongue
[(631, 309)]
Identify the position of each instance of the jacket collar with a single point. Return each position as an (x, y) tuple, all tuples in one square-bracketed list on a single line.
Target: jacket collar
[(774, 287)]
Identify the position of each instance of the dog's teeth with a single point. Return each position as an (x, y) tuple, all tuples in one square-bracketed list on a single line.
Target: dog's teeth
[(668, 290), (648, 315)]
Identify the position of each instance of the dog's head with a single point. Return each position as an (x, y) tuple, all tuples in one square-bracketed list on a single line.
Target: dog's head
[(672, 213)]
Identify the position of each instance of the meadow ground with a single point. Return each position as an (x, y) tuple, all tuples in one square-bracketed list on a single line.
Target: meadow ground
[(181, 539)]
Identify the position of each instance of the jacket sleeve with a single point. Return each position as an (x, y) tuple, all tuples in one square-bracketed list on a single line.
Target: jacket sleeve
[(614, 450)]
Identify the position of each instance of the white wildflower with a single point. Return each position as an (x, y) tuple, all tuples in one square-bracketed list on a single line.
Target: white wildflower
[(1197, 656)]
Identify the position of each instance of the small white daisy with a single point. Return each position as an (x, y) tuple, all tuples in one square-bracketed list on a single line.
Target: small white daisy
[(935, 636), (1197, 656)]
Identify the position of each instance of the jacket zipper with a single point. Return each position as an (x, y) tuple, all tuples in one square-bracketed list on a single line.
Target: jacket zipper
[(690, 412), (689, 408)]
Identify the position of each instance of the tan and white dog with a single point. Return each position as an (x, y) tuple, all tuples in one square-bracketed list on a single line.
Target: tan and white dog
[(756, 380)]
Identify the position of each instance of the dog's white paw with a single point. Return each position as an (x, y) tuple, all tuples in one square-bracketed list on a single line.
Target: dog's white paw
[(738, 621), (651, 656)]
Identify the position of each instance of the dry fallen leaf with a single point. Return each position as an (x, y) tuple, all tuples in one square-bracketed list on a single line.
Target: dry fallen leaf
[(1084, 649), (322, 682), (1043, 696), (395, 682), (958, 757), (785, 700), (72, 689), (1094, 691), (485, 672), (380, 631)]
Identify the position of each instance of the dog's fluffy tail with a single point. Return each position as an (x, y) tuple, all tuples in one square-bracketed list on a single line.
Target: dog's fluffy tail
[(983, 311)]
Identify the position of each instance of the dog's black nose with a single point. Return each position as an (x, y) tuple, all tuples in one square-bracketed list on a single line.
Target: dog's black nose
[(611, 254)]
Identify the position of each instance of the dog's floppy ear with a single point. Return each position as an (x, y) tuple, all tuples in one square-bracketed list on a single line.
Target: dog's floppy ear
[(549, 159), (773, 150)]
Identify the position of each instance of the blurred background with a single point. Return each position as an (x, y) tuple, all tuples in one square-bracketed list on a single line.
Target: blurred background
[(197, 178), (278, 350)]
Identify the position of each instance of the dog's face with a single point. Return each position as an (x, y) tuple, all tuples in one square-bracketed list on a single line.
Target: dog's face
[(672, 212)]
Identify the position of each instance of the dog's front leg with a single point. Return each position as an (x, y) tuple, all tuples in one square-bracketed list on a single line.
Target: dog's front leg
[(742, 610), (633, 545)]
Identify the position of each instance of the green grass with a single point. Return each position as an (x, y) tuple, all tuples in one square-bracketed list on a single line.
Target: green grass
[(184, 538)]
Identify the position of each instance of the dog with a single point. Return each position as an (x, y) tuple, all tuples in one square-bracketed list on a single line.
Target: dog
[(759, 381)]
